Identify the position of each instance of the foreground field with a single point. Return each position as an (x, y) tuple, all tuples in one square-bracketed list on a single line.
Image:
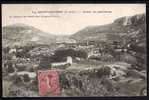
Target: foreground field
[(83, 79)]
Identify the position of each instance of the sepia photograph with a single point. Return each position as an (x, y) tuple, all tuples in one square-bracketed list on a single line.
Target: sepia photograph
[(74, 50)]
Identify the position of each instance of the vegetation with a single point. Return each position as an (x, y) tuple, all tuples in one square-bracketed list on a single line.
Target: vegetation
[(87, 75)]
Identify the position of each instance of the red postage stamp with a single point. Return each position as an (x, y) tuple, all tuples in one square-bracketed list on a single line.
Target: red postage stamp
[(48, 83)]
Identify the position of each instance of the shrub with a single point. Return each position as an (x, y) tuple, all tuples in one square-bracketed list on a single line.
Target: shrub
[(10, 69), (26, 78), (104, 71), (17, 80)]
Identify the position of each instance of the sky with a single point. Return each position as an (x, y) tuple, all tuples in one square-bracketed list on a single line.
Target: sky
[(53, 18)]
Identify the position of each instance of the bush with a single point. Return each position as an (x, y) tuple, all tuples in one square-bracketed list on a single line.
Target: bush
[(10, 69), (17, 80), (104, 71), (26, 78)]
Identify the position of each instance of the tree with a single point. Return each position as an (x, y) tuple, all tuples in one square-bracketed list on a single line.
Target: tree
[(59, 54)]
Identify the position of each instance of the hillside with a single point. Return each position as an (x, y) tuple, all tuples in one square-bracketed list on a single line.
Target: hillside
[(128, 25), (129, 31), (21, 34)]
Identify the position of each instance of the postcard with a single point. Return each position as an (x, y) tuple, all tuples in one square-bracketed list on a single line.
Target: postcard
[(74, 50)]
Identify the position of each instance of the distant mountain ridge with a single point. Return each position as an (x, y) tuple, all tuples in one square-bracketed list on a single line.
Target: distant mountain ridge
[(22, 34), (123, 25)]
